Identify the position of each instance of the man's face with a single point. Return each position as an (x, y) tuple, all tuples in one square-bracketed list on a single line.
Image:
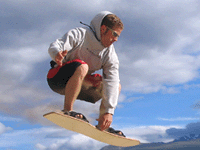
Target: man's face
[(109, 36)]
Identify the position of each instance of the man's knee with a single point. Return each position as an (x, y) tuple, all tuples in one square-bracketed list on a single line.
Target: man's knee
[(82, 70)]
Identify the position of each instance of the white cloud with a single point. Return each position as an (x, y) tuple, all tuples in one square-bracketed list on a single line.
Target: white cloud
[(3, 128), (40, 146), (78, 141), (18, 64), (52, 138), (192, 128), (31, 136), (179, 119), (148, 134), (152, 73), (3, 118), (160, 49), (48, 138)]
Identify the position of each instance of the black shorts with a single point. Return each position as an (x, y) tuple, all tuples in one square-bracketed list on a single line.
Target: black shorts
[(58, 77)]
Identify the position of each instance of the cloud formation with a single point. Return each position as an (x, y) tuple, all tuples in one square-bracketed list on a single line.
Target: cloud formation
[(49, 138), (179, 119), (148, 134), (3, 128), (162, 48), (192, 128)]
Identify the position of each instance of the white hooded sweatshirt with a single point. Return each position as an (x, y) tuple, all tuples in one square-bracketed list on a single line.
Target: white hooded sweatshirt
[(84, 44)]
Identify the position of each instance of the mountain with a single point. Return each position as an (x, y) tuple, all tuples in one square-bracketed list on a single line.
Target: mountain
[(188, 138), (190, 142)]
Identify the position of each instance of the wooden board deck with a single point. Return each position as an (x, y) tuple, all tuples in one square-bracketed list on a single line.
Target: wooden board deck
[(82, 127)]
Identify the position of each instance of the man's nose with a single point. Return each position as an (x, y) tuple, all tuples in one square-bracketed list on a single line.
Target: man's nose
[(115, 39)]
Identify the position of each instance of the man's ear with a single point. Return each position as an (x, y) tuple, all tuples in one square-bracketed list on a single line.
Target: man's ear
[(103, 29)]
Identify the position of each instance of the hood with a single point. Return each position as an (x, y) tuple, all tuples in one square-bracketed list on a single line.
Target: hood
[(96, 23)]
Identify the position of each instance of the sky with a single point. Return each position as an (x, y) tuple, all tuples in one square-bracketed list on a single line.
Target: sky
[(159, 54)]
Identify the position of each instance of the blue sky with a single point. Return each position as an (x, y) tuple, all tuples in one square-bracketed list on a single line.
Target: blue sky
[(159, 54)]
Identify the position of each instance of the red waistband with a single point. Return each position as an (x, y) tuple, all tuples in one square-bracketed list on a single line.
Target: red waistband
[(52, 72)]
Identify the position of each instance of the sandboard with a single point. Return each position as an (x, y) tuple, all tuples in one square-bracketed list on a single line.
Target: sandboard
[(82, 127)]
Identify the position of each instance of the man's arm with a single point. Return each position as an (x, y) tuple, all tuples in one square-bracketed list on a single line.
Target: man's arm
[(59, 48), (110, 89)]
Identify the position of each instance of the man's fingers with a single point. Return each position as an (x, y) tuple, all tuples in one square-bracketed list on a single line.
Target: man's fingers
[(107, 125), (64, 53), (58, 60), (105, 121), (104, 124), (60, 56), (59, 63)]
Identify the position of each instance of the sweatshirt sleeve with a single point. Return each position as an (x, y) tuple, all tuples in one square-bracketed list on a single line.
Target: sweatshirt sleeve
[(67, 42), (110, 83)]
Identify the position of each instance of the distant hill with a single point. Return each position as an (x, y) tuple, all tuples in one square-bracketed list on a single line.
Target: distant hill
[(191, 142), (188, 138)]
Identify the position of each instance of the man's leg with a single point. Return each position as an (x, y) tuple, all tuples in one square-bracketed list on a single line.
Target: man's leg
[(91, 90), (73, 86)]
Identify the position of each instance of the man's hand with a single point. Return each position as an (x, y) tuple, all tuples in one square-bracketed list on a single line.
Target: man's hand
[(60, 56), (105, 121)]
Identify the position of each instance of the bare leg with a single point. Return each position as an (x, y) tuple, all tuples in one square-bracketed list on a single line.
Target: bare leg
[(73, 86)]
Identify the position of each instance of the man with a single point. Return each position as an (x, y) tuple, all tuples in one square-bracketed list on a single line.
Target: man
[(78, 54)]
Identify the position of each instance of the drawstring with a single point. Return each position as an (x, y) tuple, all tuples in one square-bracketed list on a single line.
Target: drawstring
[(90, 28), (87, 25)]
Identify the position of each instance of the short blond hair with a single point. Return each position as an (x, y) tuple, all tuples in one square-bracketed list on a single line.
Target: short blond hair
[(112, 21)]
